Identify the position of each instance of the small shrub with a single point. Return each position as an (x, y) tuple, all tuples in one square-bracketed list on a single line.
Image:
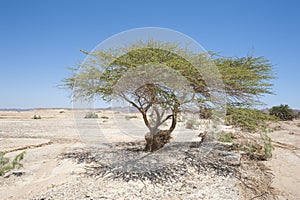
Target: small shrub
[(205, 113), (268, 147), (62, 111), (91, 115), (128, 117), (225, 137), (104, 117), (6, 165), (253, 147), (257, 150), (37, 117), (283, 112)]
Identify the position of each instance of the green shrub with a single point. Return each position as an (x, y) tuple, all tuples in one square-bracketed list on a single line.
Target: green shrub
[(283, 112), (91, 115), (225, 137), (248, 119), (37, 117), (128, 117), (268, 147), (256, 149), (6, 165)]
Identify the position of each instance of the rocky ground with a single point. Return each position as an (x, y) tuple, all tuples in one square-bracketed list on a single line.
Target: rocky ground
[(58, 165)]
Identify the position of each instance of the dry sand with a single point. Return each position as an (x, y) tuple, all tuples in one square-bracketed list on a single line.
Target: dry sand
[(47, 176), (285, 162)]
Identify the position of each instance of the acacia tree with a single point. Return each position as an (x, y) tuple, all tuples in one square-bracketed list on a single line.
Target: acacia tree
[(244, 79)]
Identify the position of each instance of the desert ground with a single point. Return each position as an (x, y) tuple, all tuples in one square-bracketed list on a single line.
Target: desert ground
[(58, 165)]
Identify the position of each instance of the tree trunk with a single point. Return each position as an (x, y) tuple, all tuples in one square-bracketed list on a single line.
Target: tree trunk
[(157, 140)]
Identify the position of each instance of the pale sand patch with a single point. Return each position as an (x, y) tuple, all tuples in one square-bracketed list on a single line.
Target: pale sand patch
[(13, 144), (285, 162)]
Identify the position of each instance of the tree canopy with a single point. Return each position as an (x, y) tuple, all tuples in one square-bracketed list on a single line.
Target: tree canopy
[(166, 81)]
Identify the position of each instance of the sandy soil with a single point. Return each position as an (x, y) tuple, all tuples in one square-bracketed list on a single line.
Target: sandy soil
[(62, 131), (285, 163)]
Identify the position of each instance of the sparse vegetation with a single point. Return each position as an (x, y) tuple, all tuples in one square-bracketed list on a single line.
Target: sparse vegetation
[(6, 165), (91, 115), (268, 147), (128, 117), (256, 149), (36, 116), (225, 137), (205, 113), (283, 112), (248, 119)]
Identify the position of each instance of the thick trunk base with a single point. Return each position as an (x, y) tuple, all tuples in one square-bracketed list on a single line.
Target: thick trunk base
[(157, 141)]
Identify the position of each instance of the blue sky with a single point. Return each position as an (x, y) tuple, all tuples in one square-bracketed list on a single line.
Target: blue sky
[(39, 39)]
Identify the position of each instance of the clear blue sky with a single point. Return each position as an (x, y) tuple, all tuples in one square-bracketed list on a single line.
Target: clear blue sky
[(39, 39)]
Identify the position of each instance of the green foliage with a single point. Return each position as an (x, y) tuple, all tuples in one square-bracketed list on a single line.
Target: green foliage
[(256, 150), (283, 112), (37, 117), (225, 137), (6, 165), (268, 147), (244, 78), (91, 115), (247, 119)]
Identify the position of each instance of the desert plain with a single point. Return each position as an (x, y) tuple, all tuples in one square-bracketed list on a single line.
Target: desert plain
[(51, 172)]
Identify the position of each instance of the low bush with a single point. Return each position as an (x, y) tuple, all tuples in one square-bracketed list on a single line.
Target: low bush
[(225, 137), (256, 148), (6, 165), (248, 119), (128, 117), (91, 115), (37, 117), (283, 112)]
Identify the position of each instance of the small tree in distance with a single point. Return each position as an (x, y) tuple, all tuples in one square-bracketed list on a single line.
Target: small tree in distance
[(283, 112), (244, 79)]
